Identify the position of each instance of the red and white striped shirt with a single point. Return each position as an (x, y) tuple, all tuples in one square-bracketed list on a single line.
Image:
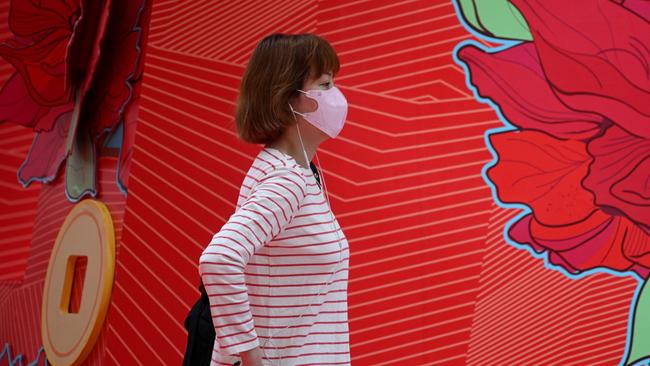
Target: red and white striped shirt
[(277, 272)]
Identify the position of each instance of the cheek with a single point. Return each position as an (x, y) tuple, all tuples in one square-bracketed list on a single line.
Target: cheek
[(307, 104)]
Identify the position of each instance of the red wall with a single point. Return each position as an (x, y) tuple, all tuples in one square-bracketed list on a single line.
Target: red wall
[(432, 280)]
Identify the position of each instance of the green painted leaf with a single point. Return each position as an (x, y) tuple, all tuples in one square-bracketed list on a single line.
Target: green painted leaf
[(640, 341), (495, 18)]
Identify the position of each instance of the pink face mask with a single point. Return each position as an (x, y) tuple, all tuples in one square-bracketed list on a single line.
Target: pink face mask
[(331, 112)]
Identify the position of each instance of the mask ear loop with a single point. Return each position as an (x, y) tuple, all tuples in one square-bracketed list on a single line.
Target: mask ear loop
[(298, 113), (336, 268)]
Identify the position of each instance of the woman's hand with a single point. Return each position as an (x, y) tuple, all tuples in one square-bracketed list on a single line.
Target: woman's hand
[(251, 357)]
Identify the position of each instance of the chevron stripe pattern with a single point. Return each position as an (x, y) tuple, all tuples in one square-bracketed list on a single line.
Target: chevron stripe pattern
[(432, 281)]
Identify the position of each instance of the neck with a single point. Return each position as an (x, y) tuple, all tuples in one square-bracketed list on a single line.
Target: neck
[(290, 144)]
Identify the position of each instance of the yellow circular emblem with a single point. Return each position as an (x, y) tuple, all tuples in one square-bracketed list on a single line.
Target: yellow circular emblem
[(87, 232)]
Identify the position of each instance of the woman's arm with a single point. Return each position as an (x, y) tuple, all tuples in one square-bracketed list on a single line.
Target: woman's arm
[(270, 206)]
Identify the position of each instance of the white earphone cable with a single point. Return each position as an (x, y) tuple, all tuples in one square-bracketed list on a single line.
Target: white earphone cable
[(336, 268)]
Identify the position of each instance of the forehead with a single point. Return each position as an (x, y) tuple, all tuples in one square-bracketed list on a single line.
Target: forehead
[(323, 76)]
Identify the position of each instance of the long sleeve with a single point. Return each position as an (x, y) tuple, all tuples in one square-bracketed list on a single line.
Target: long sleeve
[(269, 207)]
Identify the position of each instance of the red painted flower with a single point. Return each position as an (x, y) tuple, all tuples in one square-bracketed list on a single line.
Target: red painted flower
[(78, 63), (580, 95)]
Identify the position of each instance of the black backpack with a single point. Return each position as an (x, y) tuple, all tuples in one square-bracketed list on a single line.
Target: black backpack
[(199, 326), (201, 335)]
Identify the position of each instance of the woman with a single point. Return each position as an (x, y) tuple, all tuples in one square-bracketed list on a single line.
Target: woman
[(277, 272)]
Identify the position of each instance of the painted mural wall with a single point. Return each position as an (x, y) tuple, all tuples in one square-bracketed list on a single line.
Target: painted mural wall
[(492, 177)]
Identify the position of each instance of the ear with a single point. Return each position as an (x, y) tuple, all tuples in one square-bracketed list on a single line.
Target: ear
[(294, 103)]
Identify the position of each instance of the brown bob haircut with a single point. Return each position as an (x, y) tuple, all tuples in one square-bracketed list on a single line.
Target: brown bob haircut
[(279, 65)]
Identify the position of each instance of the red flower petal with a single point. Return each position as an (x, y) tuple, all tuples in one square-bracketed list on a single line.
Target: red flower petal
[(17, 106), (514, 80), (120, 72), (57, 46), (620, 173), (46, 153), (115, 94), (609, 242), (41, 64), (30, 18), (543, 173), (595, 54), (42, 50), (84, 46)]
